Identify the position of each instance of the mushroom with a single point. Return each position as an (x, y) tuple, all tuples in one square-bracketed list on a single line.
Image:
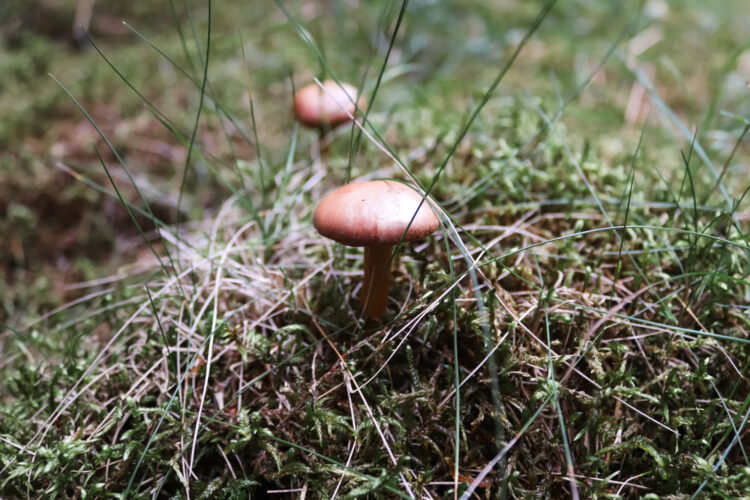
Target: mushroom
[(374, 215), (325, 108)]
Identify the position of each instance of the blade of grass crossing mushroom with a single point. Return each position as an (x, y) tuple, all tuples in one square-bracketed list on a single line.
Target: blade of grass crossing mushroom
[(447, 219), (306, 37), (382, 144)]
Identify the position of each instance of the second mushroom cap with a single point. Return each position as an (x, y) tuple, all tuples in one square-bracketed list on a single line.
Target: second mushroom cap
[(325, 107)]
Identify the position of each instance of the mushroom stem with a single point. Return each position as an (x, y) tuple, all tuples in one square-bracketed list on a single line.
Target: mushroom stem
[(323, 146), (376, 280)]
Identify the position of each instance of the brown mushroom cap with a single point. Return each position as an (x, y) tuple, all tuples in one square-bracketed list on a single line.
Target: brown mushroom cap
[(315, 107), (373, 213)]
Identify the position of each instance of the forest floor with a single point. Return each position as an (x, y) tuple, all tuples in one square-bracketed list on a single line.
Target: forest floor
[(171, 324)]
